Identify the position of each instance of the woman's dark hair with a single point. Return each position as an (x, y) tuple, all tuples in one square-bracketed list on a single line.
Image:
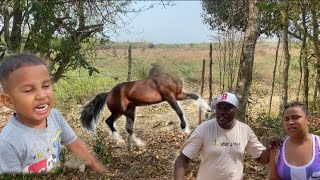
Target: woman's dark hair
[(297, 104)]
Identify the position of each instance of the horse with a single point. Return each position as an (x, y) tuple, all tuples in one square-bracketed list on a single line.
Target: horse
[(124, 97)]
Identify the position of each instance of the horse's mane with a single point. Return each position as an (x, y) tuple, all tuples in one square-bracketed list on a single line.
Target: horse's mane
[(159, 72), (156, 70)]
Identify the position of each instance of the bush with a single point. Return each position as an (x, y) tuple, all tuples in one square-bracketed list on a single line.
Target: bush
[(268, 127)]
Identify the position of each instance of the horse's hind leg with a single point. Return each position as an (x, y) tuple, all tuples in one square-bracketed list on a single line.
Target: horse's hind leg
[(110, 121), (130, 114), (203, 105)]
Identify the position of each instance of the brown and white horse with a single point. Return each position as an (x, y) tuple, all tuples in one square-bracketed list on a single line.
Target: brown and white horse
[(123, 99)]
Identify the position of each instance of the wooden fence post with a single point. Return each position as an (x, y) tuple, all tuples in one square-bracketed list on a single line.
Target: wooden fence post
[(210, 75), (129, 63), (202, 84)]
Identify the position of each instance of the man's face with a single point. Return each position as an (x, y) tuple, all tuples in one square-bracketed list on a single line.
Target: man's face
[(225, 113)]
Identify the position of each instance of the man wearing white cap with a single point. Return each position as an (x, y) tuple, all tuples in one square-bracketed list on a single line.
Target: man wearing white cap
[(221, 143)]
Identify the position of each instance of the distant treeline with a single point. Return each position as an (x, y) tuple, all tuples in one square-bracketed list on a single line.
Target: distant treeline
[(145, 45)]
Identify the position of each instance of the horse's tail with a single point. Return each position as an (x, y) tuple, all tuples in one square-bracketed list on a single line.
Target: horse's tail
[(91, 112)]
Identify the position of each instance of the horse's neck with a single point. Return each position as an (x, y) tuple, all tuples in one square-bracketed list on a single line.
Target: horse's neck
[(155, 72)]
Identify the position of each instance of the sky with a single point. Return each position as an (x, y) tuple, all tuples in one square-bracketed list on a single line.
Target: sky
[(177, 24)]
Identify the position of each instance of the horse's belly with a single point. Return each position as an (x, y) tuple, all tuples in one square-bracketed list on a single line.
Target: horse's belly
[(143, 99)]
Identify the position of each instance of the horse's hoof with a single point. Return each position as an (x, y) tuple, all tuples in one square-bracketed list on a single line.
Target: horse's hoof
[(141, 144), (120, 141), (138, 141), (116, 136), (186, 130)]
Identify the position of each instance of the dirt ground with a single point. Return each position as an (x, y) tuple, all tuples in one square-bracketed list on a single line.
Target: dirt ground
[(4, 115), (156, 125)]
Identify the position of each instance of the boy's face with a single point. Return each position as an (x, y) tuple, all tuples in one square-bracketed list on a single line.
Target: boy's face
[(30, 94)]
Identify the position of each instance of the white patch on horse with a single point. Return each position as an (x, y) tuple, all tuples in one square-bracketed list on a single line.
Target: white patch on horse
[(138, 141), (116, 136), (203, 105), (186, 130)]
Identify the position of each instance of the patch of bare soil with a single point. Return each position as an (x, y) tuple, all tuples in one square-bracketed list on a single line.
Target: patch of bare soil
[(5, 114)]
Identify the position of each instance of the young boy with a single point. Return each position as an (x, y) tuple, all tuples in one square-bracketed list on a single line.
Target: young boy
[(31, 140)]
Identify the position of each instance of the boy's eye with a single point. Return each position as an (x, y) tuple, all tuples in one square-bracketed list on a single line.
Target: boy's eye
[(47, 84), (27, 90)]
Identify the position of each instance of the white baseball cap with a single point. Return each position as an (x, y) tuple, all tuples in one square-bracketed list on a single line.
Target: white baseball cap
[(226, 97)]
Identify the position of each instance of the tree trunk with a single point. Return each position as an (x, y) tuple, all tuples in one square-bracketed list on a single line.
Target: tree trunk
[(286, 62), (6, 26), (274, 72), (305, 58), (247, 57), (315, 41), (16, 36)]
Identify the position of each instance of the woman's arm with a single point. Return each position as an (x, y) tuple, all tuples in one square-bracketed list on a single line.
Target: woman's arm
[(79, 149), (273, 164), (180, 166)]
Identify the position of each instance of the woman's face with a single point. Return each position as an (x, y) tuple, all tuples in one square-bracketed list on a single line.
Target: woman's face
[(295, 121)]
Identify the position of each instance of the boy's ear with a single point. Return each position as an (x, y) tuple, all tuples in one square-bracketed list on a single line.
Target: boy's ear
[(5, 99)]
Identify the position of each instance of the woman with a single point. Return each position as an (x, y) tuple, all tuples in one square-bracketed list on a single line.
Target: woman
[(299, 156)]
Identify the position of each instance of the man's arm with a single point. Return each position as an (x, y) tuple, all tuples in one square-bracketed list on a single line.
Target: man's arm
[(180, 166), (274, 143), (79, 149), (264, 157)]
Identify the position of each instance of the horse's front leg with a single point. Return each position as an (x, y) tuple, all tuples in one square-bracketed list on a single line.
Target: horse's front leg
[(110, 121), (130, 115), (175, 106)]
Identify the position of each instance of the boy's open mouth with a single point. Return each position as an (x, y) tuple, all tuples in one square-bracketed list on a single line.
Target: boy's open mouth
[(41, 107)]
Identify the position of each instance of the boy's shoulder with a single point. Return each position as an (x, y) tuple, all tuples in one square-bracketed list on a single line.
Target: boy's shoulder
[(54, 111), (14, 128), (55, 114), (11, 131)]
